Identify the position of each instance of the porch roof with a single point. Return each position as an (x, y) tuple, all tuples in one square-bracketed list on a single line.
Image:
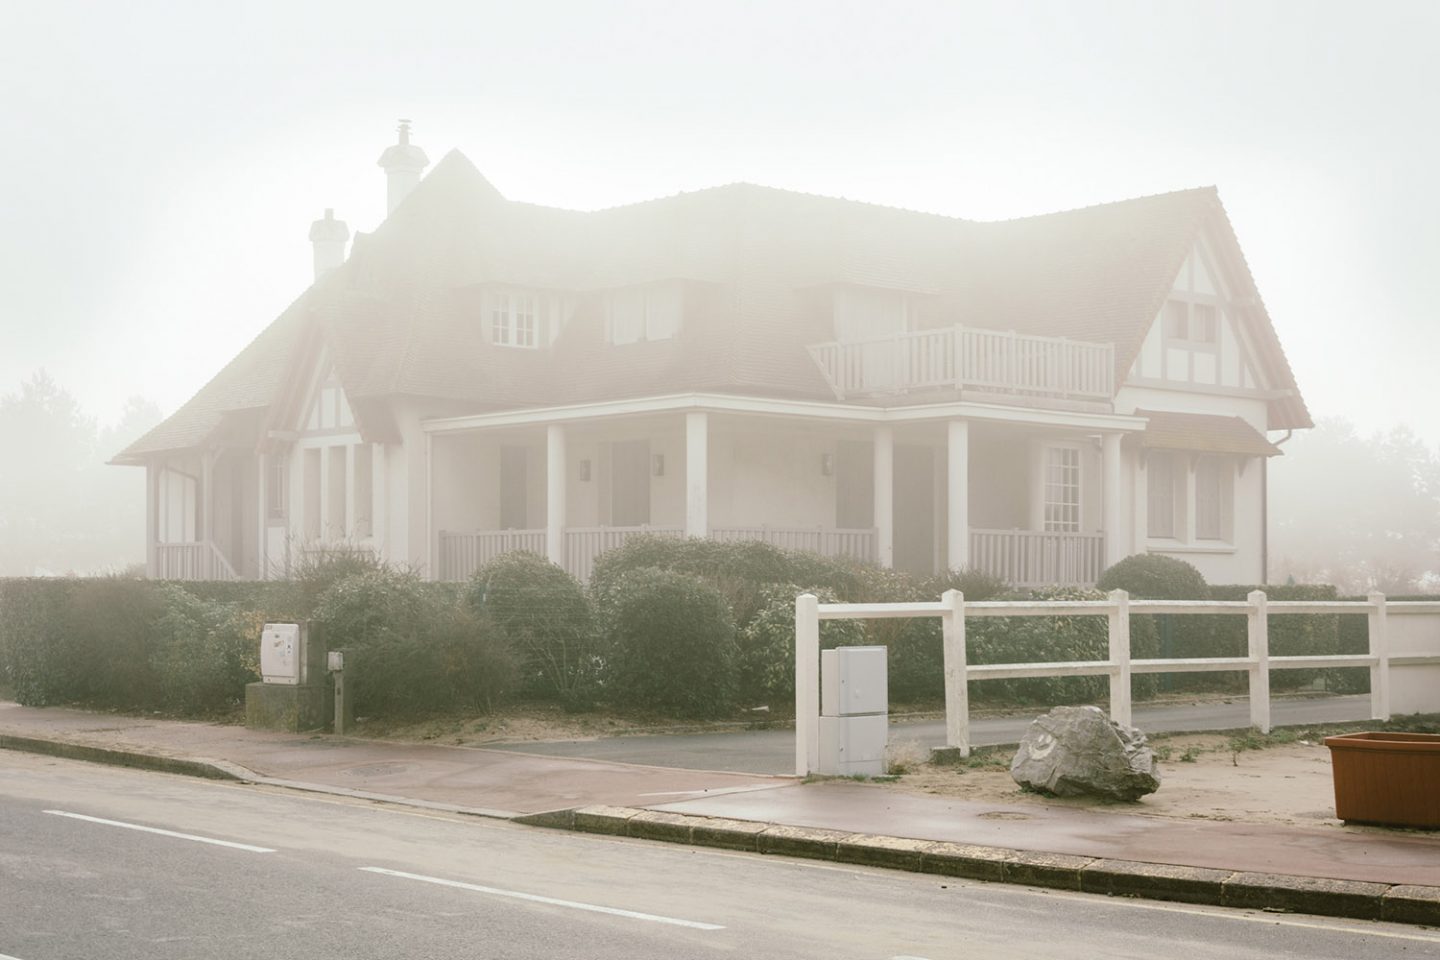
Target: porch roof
[(1203, 432)]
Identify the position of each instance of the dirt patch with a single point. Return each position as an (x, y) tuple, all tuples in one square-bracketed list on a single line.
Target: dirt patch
[(1287, 783), (538, 722)]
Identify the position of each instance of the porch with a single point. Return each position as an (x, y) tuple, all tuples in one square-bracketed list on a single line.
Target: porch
[(903, 497)]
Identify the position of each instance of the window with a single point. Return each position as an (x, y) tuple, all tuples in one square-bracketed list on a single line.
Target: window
[(1192, 323), (513, 319), (863, 314), (1161, 494), (277, 487), (644, 313), (1062, 489), (1176, 483)]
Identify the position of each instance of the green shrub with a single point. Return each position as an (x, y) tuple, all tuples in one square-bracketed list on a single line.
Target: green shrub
[(1291, 635), (203, 652), (543, 615), (1153, 577), (40, 667), (670, 644), (411, 648), (1052, 640), (765, 660)]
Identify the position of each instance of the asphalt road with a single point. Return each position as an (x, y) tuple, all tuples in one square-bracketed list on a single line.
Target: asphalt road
[(85, 874), (773, 751)]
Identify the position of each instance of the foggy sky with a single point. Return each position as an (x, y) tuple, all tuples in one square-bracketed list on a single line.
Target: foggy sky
[(162, 162)]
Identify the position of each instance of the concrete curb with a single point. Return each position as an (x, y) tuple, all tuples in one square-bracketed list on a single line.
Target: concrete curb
[(185, 766), (1398, 903)]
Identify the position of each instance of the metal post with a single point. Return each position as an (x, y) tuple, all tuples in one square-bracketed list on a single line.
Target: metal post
[(1259, 633), (1120, 657), (957, 691), (1380, 648), (807, 684)]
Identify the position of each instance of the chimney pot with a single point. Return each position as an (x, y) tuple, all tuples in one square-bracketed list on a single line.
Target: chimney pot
[(403, 163), (327, 237)]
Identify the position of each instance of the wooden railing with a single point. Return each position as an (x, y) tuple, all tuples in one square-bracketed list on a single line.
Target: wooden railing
[(584, 544), (968, 358), (196, 560), (461, 554), (859, 544), (1025, 558)]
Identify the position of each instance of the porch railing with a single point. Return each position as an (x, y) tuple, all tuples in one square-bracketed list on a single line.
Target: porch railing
[(584, 544), (196, 560), (461, 554), (968, 358), (1026, 558), (856, 543)]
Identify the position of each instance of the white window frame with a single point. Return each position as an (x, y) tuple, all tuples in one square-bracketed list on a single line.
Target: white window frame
[(1065, 513), (1185, 507), (659, 311), (514, 317)]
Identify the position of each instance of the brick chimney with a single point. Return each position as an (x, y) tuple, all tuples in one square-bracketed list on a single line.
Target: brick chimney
[(403, 163), (328, 237)]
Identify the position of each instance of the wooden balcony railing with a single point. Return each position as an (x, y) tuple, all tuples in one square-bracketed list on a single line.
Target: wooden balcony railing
[(968, 358), (1026, 558)]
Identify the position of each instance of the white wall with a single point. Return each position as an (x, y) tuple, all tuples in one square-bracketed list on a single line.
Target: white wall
[(765, 473)]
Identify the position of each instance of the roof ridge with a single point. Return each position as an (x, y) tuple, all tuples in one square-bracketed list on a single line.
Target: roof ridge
[(1211, 190)]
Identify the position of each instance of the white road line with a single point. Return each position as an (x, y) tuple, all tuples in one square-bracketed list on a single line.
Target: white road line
[(6, 956), (535, 898), (163, 833)]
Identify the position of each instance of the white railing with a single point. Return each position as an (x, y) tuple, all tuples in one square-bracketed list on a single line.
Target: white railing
[(1027, 558), (584, 544), (967, 358), (1414, 662), (833, 542), (461, 554), (196, 560)]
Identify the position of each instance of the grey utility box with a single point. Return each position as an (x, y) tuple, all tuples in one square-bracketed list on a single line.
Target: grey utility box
[(294, 692), (854, 711)]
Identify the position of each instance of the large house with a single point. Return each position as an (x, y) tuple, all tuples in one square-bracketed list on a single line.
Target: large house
[(1037, 398)]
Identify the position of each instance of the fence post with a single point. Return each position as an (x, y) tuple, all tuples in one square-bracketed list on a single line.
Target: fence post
[(1259, 635), (807, 684), (1120, 657), (957, 690), (1380, 648)]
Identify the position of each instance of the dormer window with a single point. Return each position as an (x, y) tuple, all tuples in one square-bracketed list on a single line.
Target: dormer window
[(644, 313), (512, 319), (865, 314)]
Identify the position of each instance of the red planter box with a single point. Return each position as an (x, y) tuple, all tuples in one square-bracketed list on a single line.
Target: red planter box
[(1387, 778)]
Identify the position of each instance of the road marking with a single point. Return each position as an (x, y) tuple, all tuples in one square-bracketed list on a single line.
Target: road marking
[(6, 956), (163, 833), (535, 898)]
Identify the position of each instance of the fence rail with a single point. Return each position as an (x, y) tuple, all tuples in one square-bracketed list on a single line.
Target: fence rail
[(461, 554), (953, 611), (829, 542), (196, 560), (965, 357), (1029, 558)]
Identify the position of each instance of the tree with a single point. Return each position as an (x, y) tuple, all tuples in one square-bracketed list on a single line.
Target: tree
[(61, 508), (1360, 512)]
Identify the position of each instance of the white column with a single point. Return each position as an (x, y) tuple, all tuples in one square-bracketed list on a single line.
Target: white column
[(1112, 506), (555, 494), (884, 460), (152, 518), (380, 489), (957, 687), (262, 541), (326, 534), (1258, 634), (1380, 650), (807, 684), (958, 557), (697, 474), (207, 492), (1119, 637), (432, 542)]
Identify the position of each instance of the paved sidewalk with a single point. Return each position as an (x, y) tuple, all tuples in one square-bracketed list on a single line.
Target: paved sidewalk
[(1364, 872)]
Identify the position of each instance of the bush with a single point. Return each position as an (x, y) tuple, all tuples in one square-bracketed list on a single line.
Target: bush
[(1153, 577), (670, 644), (543, 615), (1291, 635), (414, 649), (765, 661), (203, 652)]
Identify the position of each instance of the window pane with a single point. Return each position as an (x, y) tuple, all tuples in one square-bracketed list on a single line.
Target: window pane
[(1062, 489), (1177, 319), (500, 318), (627, 316), (1161, 494), (662, 312), (1207, 499), (1202, 323)]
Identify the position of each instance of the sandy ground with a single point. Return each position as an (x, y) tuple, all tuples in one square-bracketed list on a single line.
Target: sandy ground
[(1289, 783)]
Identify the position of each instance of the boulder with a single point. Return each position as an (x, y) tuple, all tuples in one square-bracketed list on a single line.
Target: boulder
[(1079, 751)]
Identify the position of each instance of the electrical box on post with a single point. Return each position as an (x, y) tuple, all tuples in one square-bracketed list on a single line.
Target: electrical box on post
[(282, 654)]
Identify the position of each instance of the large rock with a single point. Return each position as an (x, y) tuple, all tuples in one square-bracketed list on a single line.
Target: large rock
[(1078, 751)]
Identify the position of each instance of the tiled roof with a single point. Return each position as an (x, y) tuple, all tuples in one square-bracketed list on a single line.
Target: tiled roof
[(401, 316), (1203, 433)]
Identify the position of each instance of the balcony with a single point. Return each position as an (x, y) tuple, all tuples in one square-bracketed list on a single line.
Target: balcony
[(962, 358)]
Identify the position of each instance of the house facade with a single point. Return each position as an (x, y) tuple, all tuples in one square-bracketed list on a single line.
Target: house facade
[(1037, 398)]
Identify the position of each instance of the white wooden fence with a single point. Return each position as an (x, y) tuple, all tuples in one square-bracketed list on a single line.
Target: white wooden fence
[(461, 554), (826, 541), (196, 560), (1420, 649)]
